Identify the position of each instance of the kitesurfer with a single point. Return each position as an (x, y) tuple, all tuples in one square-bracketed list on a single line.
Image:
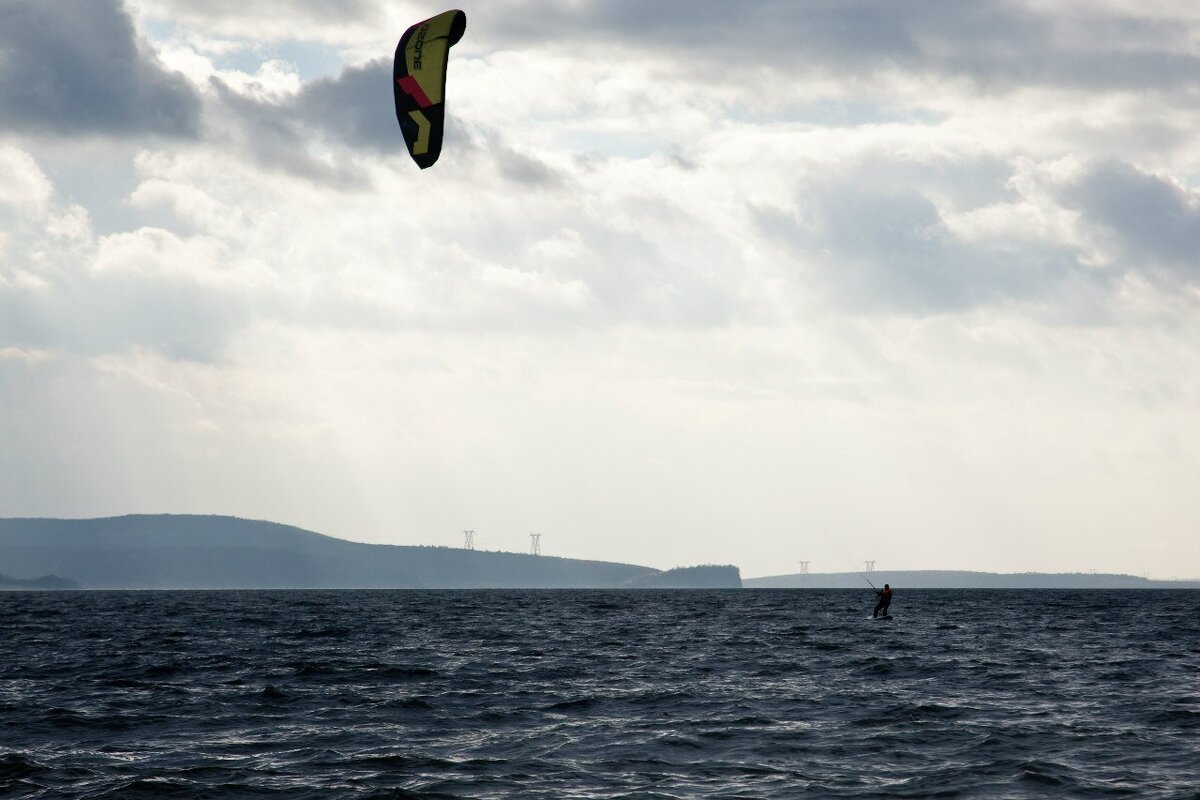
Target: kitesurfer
[(885, 600)]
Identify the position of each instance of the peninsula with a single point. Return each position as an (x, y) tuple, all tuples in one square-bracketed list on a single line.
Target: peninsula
[(167, 551)]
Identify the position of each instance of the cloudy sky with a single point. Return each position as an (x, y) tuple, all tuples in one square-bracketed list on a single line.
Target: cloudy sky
[(692, 282)]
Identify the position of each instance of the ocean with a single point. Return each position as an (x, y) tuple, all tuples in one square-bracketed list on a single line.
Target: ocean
[(600, 694)]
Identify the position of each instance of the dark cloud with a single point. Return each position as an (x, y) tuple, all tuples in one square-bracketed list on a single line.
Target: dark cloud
[(995, 42), (887, 247), (890, 250), (526, 170), (1154, 219), (355, 107), (275, 135), (75, 67), (298, 13)]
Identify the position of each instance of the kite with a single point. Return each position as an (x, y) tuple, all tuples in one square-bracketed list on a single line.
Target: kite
[(419, 82)]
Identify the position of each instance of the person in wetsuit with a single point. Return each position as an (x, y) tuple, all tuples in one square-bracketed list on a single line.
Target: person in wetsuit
[(885, 600)]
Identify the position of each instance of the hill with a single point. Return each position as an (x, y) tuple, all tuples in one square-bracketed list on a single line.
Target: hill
[(166, 551), (962, 579), (40, 583)]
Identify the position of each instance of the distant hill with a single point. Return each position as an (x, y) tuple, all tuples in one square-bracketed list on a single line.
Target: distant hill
[(43, 582), (167, 551), (962, 579)]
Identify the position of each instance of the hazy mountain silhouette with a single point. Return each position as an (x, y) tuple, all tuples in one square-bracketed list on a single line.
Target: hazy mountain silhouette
[(42, 582), (166, 551), (960, 579)]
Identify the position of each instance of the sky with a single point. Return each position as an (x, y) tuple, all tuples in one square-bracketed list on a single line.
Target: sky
[(693, 282)]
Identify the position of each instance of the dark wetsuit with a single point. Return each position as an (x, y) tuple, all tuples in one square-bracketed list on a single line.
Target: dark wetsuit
[(885, 600)]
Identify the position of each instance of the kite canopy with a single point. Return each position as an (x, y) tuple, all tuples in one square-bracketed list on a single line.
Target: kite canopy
[(419, 82)]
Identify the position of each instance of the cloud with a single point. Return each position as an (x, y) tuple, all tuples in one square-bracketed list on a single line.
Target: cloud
[(878, 232), (350, 120), (63, 288), (267, 20), (1154, 221), (355, 107), (274, 134), (95, 314), (77, 68), (325, 133), (996, 43), (22, 182)]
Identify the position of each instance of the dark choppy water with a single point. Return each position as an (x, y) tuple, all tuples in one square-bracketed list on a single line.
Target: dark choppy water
[(589, 694)]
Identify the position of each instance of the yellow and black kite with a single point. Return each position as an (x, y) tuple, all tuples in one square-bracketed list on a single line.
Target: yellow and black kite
[(419, 82)]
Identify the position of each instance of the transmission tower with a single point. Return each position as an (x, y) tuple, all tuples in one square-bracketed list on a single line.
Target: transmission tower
[(535, 544), (468, 540), (803, 567), (871, 565)]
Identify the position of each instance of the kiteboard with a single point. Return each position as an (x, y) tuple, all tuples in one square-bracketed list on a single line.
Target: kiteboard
[(880, 618)]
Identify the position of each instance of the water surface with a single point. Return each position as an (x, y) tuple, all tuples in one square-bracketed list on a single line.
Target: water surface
[(599, 694)]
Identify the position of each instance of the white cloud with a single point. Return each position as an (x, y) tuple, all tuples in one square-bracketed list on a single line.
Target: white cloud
[(23, 185)]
